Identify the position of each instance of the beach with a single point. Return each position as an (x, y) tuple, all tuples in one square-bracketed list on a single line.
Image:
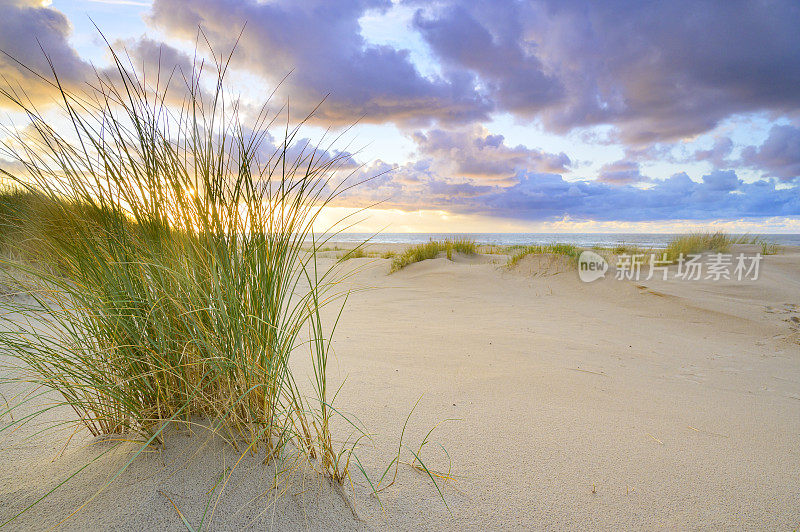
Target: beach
[(558, 404), (300, 266)]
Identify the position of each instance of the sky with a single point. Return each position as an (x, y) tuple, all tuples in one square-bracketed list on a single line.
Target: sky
[(491, 116)]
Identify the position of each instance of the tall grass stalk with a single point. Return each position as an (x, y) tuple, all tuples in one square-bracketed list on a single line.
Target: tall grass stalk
[(181, 289)]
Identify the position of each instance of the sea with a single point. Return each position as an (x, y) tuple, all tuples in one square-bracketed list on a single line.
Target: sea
[(648, 240)]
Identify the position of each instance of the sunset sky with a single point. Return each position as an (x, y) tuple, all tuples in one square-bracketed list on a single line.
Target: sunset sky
[(494, 116)]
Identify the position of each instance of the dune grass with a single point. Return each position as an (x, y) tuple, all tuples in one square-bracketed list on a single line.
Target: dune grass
[(769, 248), (431, 250), (567, 250), (355, 253), (182, 289), (630, 249), (492, 249), (699, 242), (28, 223)]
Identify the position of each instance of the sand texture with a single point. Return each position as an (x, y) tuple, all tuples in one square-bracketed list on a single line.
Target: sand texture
[(563, 405)]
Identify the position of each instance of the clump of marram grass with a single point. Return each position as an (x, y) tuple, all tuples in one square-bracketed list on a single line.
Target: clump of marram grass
[(182, 289), (355, 253), (492, 249), (694, 243), (567, 250), (629, 249), (769, 248), (464, 246), (431, 250)]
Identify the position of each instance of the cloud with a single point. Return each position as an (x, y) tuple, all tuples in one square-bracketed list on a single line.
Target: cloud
[(31, 33), (718, 154), (621, 173), (547, 197), (667, 70), (26, 31), (320, 43), (647, 68), (657, 70), (722, 181), (475, 153), (779, 155), (510, 72), (157, 61), (542, 197)]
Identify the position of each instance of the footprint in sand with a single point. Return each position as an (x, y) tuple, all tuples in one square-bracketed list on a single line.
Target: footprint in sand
[(793, 318)]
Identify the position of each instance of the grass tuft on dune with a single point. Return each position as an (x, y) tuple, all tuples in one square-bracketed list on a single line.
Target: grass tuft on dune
[(163, 250), (700, 242), (431, 250), (355, 253), (567, 250)]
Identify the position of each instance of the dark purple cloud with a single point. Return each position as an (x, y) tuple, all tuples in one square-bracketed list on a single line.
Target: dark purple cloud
[(718, 154), (621, 173), (543, 197), (158, 61), (722, 181), (474, 153), (547, 197), (658, 70), (488, 40), (779, 155), (320, 43), (675, 69)]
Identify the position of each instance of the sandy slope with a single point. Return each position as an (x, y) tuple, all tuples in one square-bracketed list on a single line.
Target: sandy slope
[(604, 405)]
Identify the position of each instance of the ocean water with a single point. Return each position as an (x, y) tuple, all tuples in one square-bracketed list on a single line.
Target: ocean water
[(651, 240)]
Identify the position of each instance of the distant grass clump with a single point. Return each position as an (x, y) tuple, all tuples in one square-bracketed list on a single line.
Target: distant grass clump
[(182, 288), (355, 253), (567, 250), (431, 250), (769, 248), (491, 249), (629, 249), (695, 243)]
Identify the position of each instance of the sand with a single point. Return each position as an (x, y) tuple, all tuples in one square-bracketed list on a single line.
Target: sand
[(615, 404)]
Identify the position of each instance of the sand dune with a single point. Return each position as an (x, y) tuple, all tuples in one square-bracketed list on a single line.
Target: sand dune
[(615, 404)]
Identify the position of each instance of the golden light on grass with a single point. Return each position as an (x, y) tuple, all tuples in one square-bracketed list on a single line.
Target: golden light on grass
[(161, 246), (431, 250)]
